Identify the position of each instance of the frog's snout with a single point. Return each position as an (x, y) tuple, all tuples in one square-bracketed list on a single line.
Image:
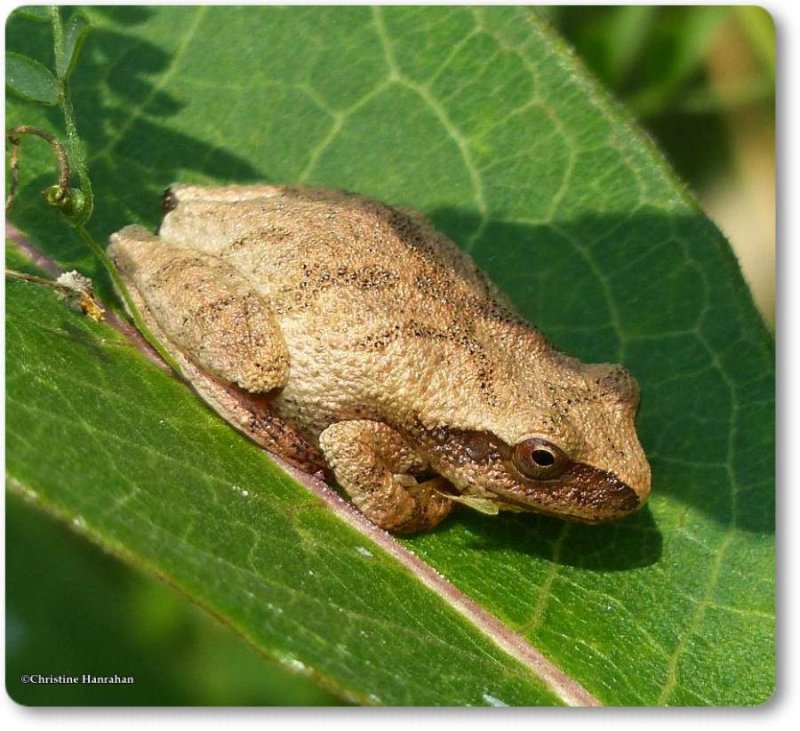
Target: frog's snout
[(582, 493), (597, 496), (602, 495)]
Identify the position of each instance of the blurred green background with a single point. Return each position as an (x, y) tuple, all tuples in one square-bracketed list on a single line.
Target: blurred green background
[(701, 80)]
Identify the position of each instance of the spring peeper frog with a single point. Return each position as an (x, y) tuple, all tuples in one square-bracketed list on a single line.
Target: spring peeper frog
[(350, 337)]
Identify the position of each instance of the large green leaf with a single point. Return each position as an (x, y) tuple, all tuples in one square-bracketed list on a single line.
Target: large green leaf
[(95, 614), (482, 119)]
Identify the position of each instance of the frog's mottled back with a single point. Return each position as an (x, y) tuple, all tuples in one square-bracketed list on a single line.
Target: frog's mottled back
[(357, 281), (298, 244)]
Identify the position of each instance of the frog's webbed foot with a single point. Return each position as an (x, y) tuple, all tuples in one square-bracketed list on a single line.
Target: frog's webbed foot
[(375, 466)]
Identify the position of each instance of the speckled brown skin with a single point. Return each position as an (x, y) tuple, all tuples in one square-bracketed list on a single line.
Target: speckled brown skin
[(340, 331)]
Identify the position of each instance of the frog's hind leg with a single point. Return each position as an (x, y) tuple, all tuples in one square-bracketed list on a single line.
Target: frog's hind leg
[(376, 467), (205, 308), (221, 334)]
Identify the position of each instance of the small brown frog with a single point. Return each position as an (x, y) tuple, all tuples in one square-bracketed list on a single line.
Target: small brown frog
[(348, 335)]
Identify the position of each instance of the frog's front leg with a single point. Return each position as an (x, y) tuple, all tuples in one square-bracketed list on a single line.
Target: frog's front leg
[(375, 465)]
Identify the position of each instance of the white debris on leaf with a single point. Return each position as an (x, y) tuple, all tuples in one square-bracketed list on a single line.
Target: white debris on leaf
[(78, 292), (76, 281)]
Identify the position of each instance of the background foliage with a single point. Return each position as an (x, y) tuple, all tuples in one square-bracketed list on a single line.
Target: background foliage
[(701, 80), (481, 118)]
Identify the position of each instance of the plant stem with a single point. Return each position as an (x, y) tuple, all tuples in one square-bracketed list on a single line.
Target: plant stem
[(77, 155), (14, 137), (78, 159)]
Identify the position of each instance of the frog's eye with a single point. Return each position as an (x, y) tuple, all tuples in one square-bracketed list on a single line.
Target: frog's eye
[(539, 459)]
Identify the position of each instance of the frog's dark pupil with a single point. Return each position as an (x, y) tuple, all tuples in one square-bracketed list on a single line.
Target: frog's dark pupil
[(543, 457)]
